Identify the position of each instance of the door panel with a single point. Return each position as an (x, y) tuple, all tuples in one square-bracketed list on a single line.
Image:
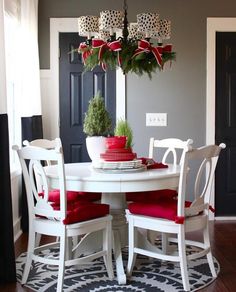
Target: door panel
[(226, 122), (76, 89)]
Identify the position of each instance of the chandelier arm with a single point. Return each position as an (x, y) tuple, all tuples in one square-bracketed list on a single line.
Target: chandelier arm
[(125, 23)]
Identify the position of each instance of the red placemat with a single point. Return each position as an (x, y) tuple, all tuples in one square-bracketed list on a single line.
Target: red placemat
[(152, 164)]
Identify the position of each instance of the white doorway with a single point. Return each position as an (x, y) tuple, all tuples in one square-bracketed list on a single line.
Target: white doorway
[(214, 25), (50, 80)]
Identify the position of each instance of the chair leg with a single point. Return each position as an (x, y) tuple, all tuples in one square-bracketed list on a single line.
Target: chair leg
[(183, 258), (164, 242), (38, 239), (62, 256), (30, 251), (69, 247), (107, 245), (209, 255), (132, 244)]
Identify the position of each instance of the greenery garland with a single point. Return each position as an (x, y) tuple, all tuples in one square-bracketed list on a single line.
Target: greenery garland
[(144, 62)]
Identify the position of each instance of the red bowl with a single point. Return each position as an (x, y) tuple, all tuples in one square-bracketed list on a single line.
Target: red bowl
[(116, 142)]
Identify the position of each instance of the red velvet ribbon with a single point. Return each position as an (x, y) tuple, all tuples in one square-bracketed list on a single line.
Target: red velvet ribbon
[(85, 53), (179, 219), (167, 49), (211, 209), (145, 46), (102, 45)]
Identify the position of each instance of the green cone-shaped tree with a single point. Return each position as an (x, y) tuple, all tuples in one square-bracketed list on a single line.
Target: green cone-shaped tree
[(97, 120)]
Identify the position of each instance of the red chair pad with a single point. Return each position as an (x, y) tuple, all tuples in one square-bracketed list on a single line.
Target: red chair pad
[(90, 196), (165, 208), (54, 196), (151, 196), (79, 211)]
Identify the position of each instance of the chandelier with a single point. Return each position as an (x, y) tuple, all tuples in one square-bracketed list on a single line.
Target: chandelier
[(134, 47)]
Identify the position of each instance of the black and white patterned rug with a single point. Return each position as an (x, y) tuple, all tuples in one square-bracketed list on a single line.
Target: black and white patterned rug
[(148, 275)]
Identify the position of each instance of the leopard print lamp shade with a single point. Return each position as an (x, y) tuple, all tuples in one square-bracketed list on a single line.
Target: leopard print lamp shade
[(133, 31), (164, 30), (148, 23), (111, 20), (88, 25)]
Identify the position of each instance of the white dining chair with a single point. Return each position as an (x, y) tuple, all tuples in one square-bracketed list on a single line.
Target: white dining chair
[(169, 150), (62, 219), (178, 216), (50, 144)]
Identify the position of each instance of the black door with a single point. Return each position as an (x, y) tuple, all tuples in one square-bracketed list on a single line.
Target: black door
[(76, 89), (226, 123)]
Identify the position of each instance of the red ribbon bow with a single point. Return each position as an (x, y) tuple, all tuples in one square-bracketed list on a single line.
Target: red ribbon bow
[(84, 50), (145, 46), (102, 45), (167, 49)]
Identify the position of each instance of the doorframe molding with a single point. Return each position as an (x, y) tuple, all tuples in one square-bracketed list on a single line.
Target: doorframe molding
[(58, 25), (214, 24)]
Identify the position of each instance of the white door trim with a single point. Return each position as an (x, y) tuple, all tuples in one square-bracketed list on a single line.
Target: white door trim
[(213, 25), (58, 25)]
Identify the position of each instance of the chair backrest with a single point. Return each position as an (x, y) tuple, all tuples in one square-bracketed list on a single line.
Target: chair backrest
[(170, 148), (31, 158), (199, 166), (43, 143)]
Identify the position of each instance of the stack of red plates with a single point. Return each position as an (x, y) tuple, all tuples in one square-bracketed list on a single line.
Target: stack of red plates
[(121, 154)]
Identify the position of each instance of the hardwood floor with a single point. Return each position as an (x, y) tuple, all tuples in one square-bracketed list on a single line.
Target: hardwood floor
[(223, 241)]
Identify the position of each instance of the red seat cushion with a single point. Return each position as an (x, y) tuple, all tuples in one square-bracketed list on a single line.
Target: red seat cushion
[(90, 196), (151, 196), (83, 211), (70, 205), (54, 196), (164, 208)]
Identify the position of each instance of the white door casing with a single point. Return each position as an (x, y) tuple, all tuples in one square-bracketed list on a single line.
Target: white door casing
[(58, 25), (214, 24)]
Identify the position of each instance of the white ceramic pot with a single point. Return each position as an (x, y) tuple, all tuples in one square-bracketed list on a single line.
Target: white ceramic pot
[(95, 146)]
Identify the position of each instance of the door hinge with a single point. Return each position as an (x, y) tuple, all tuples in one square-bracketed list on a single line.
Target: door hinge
[(59, 53)]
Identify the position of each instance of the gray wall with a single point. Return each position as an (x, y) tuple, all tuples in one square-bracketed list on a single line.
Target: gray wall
[(180, 91)]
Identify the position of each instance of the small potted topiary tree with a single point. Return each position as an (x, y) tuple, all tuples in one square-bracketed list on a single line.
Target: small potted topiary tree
[(97, 125), (123, 129)]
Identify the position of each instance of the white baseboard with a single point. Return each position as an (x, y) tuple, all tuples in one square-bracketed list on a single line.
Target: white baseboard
[(233, 218)]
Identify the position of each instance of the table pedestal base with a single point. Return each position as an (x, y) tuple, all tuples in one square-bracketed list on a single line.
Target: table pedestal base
[(93, 242), (117, 202)]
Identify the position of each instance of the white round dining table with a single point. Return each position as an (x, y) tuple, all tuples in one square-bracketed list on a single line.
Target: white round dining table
[(113, 184)]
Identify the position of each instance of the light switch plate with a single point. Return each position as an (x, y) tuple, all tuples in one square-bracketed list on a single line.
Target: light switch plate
[(156, 119)]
